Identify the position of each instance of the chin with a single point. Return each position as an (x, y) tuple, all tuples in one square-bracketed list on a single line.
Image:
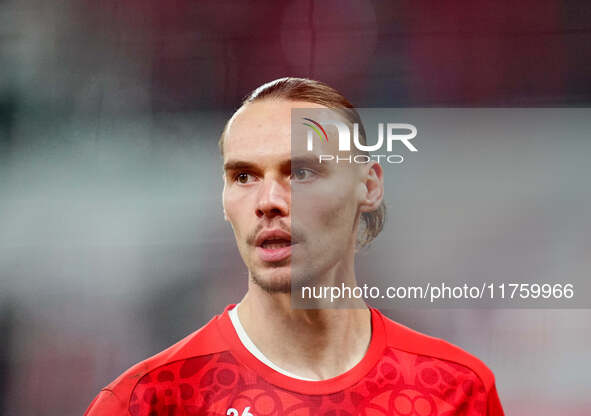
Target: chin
[(273, 281)]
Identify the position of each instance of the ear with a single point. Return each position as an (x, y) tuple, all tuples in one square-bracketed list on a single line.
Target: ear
[(373, 189)]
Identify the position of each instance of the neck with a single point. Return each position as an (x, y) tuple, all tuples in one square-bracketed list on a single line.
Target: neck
[(318, 344)]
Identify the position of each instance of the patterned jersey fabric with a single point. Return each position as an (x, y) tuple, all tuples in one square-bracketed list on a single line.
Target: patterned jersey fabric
[(210, 372)]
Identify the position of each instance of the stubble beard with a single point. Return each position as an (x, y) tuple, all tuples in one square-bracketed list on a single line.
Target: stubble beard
[(282, 283), (273, 285)]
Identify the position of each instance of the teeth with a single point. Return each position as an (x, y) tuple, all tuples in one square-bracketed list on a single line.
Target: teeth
[(275, 244)]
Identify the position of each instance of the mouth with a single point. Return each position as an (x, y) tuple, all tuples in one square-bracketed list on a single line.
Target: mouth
[(274, 246)]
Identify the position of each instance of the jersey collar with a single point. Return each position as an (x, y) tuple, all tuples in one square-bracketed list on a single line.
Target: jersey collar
[(332, 385)]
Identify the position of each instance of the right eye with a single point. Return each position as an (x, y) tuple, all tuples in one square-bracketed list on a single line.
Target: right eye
[(243, 177)]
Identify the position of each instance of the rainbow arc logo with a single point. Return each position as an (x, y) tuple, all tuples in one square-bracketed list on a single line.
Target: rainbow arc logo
[(315, 126)]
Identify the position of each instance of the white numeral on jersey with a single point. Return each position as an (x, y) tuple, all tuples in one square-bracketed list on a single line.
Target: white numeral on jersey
[(233, 412)]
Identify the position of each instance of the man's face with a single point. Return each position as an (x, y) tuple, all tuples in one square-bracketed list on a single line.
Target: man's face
[(293, 218)]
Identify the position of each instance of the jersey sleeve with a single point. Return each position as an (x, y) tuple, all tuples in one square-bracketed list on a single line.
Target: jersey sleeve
[(106, 403), (494, 407)]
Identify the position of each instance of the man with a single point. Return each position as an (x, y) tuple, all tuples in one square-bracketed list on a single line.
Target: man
[(264, 357)]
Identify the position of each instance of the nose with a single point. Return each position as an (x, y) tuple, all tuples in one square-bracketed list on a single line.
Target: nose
[(273, 199)]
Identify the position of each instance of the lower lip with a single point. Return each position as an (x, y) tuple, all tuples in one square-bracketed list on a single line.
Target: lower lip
[(274, 254)]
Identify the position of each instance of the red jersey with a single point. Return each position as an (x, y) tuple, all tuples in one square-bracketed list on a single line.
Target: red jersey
[(210, 372)]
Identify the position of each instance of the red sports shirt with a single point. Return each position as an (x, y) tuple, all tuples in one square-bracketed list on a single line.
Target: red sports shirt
[(210, 372)]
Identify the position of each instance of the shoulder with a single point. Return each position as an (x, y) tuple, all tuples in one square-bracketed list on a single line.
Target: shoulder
[(116, 396), (406, 339)]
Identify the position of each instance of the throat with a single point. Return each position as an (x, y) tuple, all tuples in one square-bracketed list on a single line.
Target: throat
[(321, 346)]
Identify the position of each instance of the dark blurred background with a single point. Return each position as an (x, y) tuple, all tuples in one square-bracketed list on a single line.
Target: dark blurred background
[(112, 239)]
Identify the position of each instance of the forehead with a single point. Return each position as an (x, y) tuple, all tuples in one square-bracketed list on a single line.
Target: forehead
[(262, 128)]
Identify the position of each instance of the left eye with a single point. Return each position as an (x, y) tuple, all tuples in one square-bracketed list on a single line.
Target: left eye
[(302, 174)]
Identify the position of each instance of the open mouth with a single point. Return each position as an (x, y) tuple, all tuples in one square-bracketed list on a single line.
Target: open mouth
[(274, 246), (275, 243)]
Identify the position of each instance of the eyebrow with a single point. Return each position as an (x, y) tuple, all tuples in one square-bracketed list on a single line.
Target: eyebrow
[(311, 160), (238, 165)]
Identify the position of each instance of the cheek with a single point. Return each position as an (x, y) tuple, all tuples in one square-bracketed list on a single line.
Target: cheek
[(235, 209), (327, 215), (340, 218)]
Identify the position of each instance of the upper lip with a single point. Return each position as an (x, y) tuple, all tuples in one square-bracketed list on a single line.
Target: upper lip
[(276, 234)]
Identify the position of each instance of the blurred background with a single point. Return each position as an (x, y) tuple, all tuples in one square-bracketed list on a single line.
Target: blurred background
[(112, 240)]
